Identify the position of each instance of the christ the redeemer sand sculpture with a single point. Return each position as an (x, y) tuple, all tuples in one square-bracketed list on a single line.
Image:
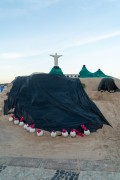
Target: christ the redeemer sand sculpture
[(56, 56)]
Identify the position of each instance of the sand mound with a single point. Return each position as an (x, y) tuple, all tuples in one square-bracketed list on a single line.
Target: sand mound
[(105, 144)]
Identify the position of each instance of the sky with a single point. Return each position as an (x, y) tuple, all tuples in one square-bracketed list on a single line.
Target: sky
[(85, 32)]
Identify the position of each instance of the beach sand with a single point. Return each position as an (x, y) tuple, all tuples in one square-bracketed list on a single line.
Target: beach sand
[(102, 145)]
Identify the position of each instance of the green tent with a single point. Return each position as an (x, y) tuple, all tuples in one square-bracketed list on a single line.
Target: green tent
[(56, 70), (84, 73), (99, 73)]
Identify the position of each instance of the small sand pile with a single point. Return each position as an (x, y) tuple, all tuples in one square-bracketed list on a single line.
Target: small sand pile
[(3, 96)]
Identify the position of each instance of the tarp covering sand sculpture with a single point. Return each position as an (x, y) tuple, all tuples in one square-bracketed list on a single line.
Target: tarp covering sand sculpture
[(53, 102), (56, 70), (107, 84)]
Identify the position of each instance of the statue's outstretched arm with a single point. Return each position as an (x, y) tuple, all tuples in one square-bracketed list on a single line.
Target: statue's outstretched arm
[(59, 56), (52, 55)]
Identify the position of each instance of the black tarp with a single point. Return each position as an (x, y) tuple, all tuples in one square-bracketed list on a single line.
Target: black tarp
[(53, 102), (107, 84)]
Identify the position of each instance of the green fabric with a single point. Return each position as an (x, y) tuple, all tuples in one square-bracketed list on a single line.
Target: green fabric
[(56, 71), (99, 73), (84, 73)]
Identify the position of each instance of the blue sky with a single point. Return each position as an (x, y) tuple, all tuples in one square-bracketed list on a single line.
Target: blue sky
[(83, 31)]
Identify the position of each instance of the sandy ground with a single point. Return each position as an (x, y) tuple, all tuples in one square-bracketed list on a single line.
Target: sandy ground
[(102, 145)]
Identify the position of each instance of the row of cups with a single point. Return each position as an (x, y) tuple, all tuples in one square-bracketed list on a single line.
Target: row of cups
[(40, 132)]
